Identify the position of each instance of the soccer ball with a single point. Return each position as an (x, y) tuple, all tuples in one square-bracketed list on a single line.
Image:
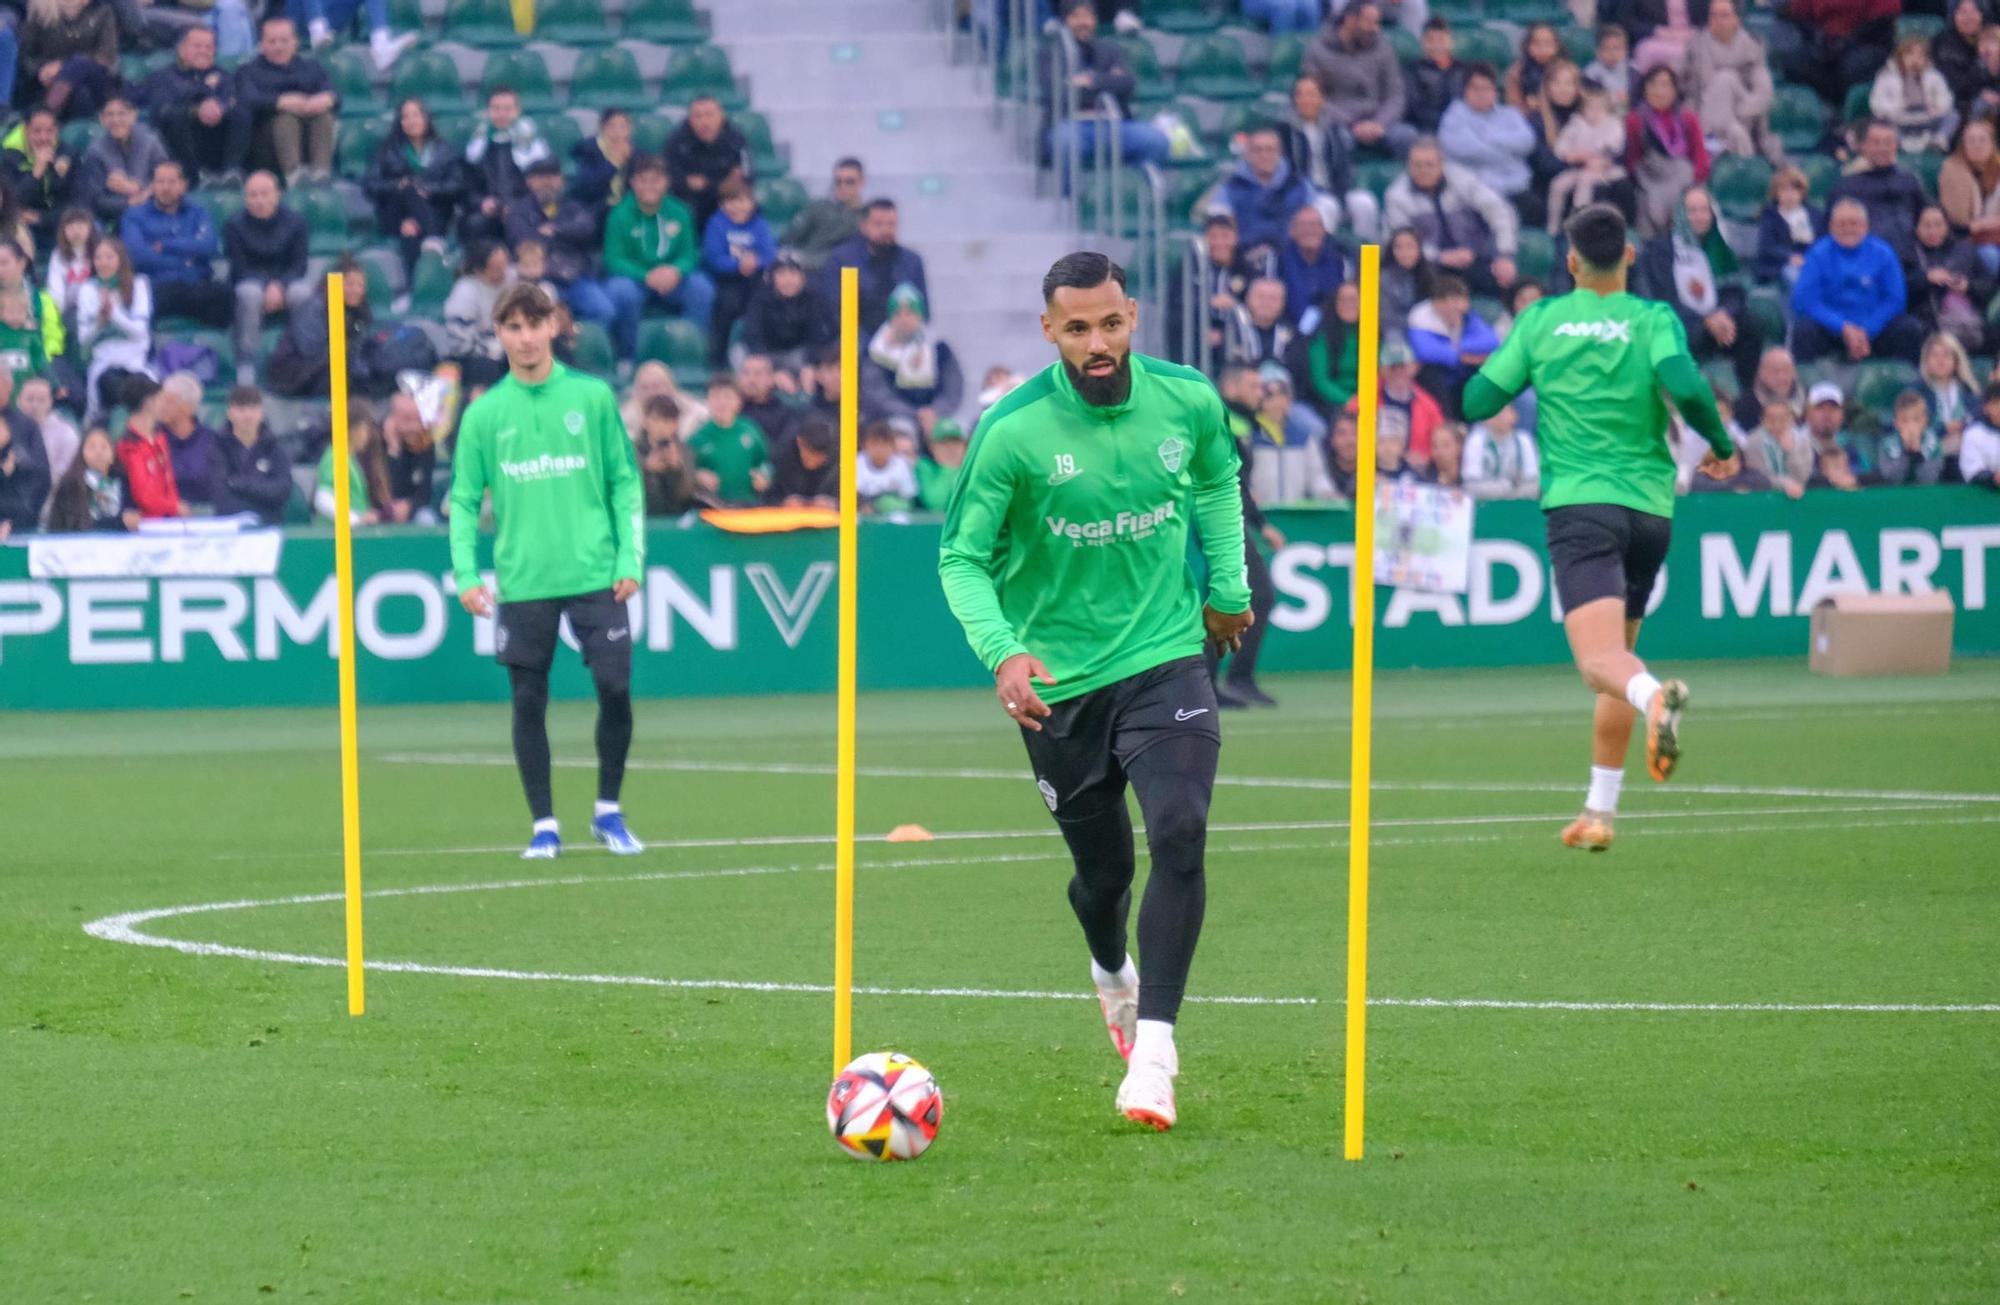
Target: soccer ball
[(884, 1106)]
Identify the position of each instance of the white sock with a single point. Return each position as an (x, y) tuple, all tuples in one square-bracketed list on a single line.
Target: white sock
[(1155, 1043), (1605, 783), (1126, 977), (1639, 691), (547, 826), (605, 808)]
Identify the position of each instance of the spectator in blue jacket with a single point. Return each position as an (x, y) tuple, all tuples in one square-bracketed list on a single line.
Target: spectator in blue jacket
[(1264, 192), (736, 247), (1449, 340), (1850, 295), (1310, 266), (884, 265), (173, 245)]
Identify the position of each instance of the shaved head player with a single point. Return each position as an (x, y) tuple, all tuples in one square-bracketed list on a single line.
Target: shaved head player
[(1065, 559)]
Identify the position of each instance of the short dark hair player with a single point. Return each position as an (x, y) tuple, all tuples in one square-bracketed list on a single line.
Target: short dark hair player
[(1065, 559), (1599, 358), (569, 515)]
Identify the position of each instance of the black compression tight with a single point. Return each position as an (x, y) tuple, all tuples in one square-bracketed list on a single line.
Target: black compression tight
[(531, 736)]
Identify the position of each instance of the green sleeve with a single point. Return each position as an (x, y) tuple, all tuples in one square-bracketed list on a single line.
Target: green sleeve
[(325, 480), (628, 490), (1218, 508), (621, 257), (967, 557), (1503, 375), (1681, 378), (469, 474)]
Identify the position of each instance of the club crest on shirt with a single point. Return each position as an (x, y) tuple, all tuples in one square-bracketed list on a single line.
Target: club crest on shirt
[(1171, 450), (573, 422)]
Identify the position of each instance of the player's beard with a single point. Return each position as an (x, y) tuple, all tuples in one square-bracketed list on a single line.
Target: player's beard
[(1106, 391)]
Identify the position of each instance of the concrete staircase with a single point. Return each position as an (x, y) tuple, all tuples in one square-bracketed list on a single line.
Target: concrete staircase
[(871, 78)]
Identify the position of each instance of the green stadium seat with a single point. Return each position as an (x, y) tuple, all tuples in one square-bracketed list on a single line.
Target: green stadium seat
[(222, 203), (1524, 13), (353, 78), (525, 71), (1799, 119), (1535, 259), (1821, 175), (650, 131), (781, 199), (1376, 175), (666, 22), (385, 277), (488, 24), (765, 160), (607, 79), (1927, 166), (217, 342), (1183, 16), (1739, 185), (1484, 45), (680, 345), (1142, 59), (1879, 381), (1215, 66), (406, 16), (1462, 14), (1919, 25), (1288, 55), (1579, 43), (355, 150), (561, 132), (325, 214), (697, 70), (77, 136), (430, 284), (1404, 42), (1767, 306), (1243, 115), (1720, 373), (431, 77), (574, 23), (1855, 107), (593, 351)]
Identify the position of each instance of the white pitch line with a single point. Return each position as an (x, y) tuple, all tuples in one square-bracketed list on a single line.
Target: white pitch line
[(1222, 781)]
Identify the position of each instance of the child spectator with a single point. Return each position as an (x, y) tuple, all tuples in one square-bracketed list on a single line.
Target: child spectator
[(114, 321), (1500, 459), (1979, 453), (883, 478), (737, 247), (1913, 452), (1786, 229), (470, 336), (1612, 71), (531, 264), (1450, 341), (1391, 441), (1779, 450), (368, 498), (91, 494), (147, 461), (69, 263), (1947, 387), (663, 461), (731, 457), (913, 378), (256, 470), (1914, 98), (1592, 143), (937, 475)]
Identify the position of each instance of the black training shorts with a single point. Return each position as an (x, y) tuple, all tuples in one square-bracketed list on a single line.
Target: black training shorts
[(1601, 550), (1085, 743), (525, 634)]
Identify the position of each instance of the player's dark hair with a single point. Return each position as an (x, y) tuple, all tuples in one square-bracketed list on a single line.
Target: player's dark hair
[(877, 430), (1447, 286), (849, 161), (878, 204), (723, 381), (502, 89), (1437, 23), (1607, 29), (817, 434), (1482, 69), (648, 165), (1083, 270), (1910, 399), (663, 407), (245, 396), (525, 298), (1992, 391), (1597, 233)]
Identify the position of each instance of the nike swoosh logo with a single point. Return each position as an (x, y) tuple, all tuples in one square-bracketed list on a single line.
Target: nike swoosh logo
[(1189, 715), (615, 635), (1061, 477)]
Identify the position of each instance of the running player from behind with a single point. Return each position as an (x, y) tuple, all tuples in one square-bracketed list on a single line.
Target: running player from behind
[(568, 509), (1065, 559), (1599, 359)]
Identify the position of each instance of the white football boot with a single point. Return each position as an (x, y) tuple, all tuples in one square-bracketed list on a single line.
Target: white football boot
[(1147, 1094)]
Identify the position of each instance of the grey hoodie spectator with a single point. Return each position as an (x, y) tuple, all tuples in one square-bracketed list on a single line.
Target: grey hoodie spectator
[(1357, 70), (1464, 225), (118, 166)]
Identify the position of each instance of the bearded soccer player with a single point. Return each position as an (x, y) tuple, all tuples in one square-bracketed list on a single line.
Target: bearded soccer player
[(568, 508), (1065, 559), (1599, 359)]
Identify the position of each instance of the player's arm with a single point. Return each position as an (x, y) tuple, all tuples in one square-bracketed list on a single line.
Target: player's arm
[(628, 497), (1686, 387), (1503, 375), (469, 475), (1218, 508)]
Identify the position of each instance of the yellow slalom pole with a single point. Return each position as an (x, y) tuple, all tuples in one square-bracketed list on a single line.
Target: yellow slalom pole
[(843, 797), (1364, 702), (343, 565)]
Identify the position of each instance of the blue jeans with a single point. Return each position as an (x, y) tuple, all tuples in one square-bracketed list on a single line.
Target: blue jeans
[(613, 303), (1285, 15), (337, 14), (1140, 142), (693, 300)]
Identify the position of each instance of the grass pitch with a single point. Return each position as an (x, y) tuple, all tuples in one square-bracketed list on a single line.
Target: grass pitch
[(627, 1104)]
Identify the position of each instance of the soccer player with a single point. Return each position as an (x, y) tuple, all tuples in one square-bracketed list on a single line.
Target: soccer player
[(1599, 358), (568, 509), (1065, 559)]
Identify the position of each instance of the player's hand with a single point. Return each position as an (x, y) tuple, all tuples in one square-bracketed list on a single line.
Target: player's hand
[(478, 600), (622, 592), (1720, 468), (1225, 629), (1014, 682)]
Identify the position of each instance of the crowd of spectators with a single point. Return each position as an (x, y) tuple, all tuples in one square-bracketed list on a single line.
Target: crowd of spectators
[(1813, 187), (173, 250)]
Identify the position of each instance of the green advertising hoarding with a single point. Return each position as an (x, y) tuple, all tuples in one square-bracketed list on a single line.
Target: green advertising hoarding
[(738, 614)]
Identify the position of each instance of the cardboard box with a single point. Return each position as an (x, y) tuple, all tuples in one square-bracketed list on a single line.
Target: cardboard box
[(1882, 634)]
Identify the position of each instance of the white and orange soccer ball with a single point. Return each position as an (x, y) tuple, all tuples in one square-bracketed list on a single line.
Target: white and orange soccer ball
[(884, 1106)]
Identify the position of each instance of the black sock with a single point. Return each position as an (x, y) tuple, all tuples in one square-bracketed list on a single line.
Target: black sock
[(614, 737), (1100, 892), (1174, 780), (531, 738)]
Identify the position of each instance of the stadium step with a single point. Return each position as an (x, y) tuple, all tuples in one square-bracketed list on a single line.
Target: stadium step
[(828, 18), (819, 69)]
